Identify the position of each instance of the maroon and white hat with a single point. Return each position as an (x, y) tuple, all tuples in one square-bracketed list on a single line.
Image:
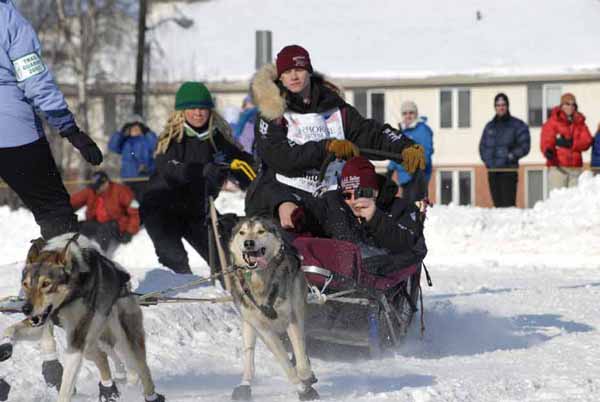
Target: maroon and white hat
[(293, 56), (359, 172)]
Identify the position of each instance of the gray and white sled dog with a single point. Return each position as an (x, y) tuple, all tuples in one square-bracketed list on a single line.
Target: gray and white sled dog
[(270, 290), (68, 282)]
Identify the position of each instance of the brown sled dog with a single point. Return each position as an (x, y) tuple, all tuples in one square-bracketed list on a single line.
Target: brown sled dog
[(270, 291), (68, 282)]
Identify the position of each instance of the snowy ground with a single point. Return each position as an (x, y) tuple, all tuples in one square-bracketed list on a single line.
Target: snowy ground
[(512, 316)]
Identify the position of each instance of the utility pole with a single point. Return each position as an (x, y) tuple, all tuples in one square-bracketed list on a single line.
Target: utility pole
[(138, 107)]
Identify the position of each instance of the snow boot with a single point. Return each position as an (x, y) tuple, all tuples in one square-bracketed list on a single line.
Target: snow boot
[(108, 394), (4, 390), (52, 371), (5, 351), (242, 393), (157, 398), (309, 394)]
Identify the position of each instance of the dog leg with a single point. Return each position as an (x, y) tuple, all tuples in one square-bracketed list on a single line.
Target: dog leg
[(107, 387), (73, 359), (120, 372), (17, 332), (296, 334), (276, 346), (134, 346), (52, 370), (243, 392)]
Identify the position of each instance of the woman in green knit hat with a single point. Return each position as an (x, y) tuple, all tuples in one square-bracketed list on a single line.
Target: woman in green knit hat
[(192, 150)]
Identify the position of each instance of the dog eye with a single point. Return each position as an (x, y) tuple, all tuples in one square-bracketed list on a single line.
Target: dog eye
[(261, 231), (46, 284), (242, 233), (26, 285)]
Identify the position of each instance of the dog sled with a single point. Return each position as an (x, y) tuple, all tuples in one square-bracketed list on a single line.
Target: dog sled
[(348, 305)]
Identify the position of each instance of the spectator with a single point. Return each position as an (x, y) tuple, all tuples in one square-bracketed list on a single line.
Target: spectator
[(244, 131), (302, 121), (111, 215), (416, 128), (194, 143), (505, 140), (564, 137), (136, 143), (596, 152), (26, 163)]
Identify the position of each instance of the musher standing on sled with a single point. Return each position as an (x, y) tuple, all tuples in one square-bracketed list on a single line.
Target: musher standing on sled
[(302, 120), (26, 163)]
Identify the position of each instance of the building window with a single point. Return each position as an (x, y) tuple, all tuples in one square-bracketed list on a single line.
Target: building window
[(541, 98), (370, 104), (535, 189), (461, 114), (456, 187)]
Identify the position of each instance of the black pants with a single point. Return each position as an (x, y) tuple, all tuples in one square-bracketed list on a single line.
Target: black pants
[(503, 187), (31, 172), (167, 229), (105, 234)]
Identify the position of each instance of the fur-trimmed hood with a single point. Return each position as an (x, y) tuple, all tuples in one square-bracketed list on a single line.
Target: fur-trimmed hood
[(272, 98)]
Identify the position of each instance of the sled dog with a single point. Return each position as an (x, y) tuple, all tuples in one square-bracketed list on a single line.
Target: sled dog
[(270, 290), (68, 282)]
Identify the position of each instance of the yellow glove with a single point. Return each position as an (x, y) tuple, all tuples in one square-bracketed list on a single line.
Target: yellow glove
[(413, 158), (343, 149), (245, 167)]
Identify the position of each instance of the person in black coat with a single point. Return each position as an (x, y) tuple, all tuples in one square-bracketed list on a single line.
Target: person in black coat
[(191, 152), (366, 211), (302, 120), (504, 141)]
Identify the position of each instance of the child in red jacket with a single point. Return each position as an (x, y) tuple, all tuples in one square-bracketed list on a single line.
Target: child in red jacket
[(112, 215)]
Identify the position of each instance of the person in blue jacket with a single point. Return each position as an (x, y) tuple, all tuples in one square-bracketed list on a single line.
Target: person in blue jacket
[(416, 128), (27, 88), (136, 144), (504, 141), (596, 152)]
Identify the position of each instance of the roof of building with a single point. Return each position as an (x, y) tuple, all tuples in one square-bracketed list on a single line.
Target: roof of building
[(380, 39)]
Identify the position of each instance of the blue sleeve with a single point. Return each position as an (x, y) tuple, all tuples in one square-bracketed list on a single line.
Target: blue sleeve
[(485, 152), (34, 78), (116, 142), (523, 141), (152, 139)]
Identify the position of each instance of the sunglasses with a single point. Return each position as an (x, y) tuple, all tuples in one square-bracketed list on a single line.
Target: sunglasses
[(361, 192)]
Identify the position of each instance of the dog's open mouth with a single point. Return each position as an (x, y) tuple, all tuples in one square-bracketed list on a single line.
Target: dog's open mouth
[(254, 257), (40, 319)]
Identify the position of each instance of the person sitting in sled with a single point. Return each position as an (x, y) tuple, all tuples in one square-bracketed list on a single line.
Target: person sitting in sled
[(366, 211), (193, 155), (302, 120), (112, 215)]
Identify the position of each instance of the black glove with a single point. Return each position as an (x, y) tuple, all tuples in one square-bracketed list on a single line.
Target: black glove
[(549, 154), (215, 174), (5, 351), (564, 142), (126, 237), (52, 371), (88, 148), (4, 390)]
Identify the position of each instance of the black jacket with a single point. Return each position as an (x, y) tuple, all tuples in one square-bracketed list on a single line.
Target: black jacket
[(396, 227), (178, 185), (504, 141)]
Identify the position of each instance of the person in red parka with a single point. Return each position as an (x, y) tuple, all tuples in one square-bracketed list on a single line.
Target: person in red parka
[(112, 215), (564, 137)]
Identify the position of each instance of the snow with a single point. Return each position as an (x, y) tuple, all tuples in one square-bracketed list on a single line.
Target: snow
[(512, 316), (380, 38)]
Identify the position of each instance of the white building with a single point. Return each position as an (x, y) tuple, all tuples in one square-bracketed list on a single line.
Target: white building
[(451, 58)]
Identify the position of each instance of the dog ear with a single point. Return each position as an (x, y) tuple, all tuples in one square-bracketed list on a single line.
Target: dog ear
[(65, 258), (36, 248)]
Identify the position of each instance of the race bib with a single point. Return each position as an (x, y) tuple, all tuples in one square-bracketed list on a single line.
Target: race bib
[(303, 128), (28, 66)]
